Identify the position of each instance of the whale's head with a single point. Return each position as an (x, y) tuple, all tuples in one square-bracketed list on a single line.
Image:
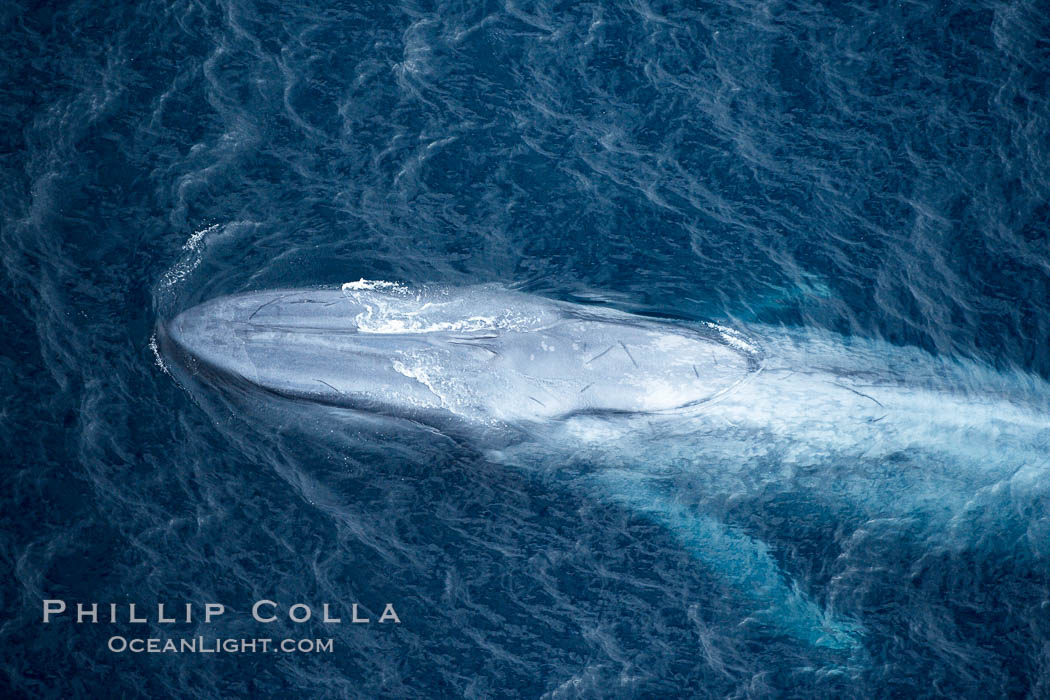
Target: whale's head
[(485, 355)]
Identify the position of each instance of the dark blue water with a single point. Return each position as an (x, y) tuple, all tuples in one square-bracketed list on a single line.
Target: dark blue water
[(878, 170)]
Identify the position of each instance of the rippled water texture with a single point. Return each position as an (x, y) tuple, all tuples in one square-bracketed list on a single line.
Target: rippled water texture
[(877, 171)]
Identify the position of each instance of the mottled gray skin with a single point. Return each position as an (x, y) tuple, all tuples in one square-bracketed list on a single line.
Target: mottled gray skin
[(484, 355)]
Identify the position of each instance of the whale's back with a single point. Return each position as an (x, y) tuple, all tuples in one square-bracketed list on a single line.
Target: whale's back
[(484, 354)]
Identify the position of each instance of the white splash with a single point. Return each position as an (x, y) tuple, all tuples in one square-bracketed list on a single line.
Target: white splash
[(158, 360), (191, 258), (734, 338), (363, 285)]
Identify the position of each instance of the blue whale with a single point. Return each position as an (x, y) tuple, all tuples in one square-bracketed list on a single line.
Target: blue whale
[(893, 431)]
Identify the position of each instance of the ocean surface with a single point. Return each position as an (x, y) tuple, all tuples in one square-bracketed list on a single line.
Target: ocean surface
[(877, 170)]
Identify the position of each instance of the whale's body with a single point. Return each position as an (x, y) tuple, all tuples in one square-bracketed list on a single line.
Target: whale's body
[(484, 356), (894, 432)]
